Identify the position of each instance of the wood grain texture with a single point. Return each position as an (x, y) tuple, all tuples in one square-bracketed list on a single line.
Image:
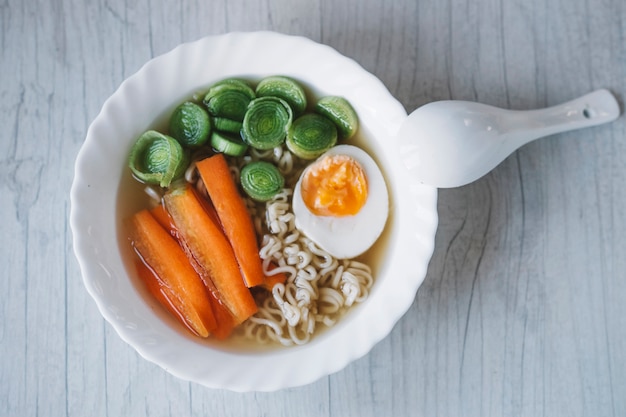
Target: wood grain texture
[(523, 310)]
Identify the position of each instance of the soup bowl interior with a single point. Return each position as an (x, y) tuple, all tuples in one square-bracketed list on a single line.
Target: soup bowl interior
[(101, 198)]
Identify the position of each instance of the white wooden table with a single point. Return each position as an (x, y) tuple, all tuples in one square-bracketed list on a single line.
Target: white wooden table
[(523, 311)]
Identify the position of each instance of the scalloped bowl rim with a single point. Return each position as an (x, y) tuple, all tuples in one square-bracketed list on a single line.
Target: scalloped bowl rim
[(93, 218)]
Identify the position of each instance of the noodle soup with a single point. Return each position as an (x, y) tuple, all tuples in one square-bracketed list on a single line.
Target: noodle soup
[(319, 289), (104, 196)]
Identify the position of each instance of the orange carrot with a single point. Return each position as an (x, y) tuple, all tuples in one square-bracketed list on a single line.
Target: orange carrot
[(225, 320), (163, 217), (159, 292), (223, 317), (233, 215), (177, 280), (209, 247)]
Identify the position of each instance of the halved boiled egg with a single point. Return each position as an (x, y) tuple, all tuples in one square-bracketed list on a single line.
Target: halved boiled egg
[(341, 202)]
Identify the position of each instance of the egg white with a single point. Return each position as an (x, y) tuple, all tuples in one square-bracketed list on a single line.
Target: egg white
[(347, 236)]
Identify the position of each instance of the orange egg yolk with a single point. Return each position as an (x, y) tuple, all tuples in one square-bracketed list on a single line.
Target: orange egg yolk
[(334, 186)]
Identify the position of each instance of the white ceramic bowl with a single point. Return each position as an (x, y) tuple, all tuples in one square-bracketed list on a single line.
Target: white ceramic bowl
[(97, 210)]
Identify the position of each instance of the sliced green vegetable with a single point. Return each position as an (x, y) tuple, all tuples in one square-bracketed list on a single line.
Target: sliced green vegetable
[(226, 125), (190, 125), (311, 135), (266, 122), (341, 112), (261, 180), (237, 83), (157, 159), (228, 144), (229, 98), (286, 88)]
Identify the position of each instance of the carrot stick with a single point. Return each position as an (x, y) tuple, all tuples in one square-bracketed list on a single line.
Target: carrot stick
[(163, 217), (233, 215), (177, 280), (223, 317), (154, 287), (211, 250), (225, 320)]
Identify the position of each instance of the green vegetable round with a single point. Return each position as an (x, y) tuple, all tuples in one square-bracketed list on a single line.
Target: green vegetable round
[(285, 88), (157, 159), (228, 144), (229, 98), (266, 123), (311, 135), (341, 112), (261, 180), (223, 124), (190, 125)]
